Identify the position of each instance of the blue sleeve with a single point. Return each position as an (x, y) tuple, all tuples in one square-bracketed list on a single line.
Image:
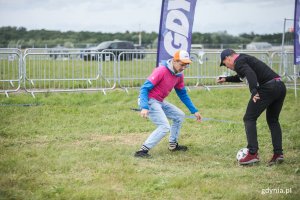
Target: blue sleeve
[(184, 97), (143, 98)]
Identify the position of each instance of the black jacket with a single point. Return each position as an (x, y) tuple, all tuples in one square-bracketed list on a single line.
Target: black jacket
[(255, 71)]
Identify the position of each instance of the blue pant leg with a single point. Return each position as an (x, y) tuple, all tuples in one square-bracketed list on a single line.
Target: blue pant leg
[(177, 116), (159, 118)]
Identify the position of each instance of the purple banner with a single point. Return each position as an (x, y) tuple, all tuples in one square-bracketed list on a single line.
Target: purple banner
[(175, 31), (297, 33)]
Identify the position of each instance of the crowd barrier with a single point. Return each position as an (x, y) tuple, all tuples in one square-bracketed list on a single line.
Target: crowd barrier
[(69, 70), (10, 70), (283, 63)]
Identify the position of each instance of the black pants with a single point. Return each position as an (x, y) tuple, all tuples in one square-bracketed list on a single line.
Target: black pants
[(271, 99)]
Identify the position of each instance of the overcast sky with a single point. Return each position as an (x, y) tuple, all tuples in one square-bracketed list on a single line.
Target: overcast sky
[(233, 16)]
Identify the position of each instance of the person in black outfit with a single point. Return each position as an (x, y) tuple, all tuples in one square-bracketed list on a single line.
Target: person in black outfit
[(267, 93)]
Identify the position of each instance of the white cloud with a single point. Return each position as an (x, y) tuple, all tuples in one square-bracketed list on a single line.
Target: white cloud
[(243, 16), (234, 16)]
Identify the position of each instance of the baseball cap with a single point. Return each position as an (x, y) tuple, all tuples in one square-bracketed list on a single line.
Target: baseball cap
[(182, 56), (224, 54)]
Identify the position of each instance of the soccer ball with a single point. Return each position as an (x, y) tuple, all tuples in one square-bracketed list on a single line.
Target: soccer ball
[(241, 153)]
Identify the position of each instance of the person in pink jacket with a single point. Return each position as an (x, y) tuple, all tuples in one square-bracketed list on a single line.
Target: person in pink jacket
[(152, 94)]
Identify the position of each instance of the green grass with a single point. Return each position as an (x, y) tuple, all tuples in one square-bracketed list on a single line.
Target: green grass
[(81, 145)]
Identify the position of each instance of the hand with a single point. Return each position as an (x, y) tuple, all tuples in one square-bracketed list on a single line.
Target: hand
[(144, 113), (198, 116), (221, 79), (255, 98)]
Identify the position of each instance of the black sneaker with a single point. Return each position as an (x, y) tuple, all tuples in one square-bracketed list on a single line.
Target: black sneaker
[(178, 148), (142, 154)]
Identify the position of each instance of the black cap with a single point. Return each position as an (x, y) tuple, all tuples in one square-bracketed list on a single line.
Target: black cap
[(225, 53)]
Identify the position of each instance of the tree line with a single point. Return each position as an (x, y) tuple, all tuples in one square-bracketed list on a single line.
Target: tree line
[(20, 37)]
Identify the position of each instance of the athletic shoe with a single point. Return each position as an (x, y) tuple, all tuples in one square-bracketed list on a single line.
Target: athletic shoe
[(142, 154), (276, 159), (178, 148), (249, 159)]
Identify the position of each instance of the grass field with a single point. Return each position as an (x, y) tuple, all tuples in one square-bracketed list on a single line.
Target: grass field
[(81, 146)]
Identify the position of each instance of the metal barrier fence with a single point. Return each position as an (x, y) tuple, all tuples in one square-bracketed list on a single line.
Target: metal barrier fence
[(10, 70), (133, 73), (202, 72), (282, 62), (208, 67), (68, 70)]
